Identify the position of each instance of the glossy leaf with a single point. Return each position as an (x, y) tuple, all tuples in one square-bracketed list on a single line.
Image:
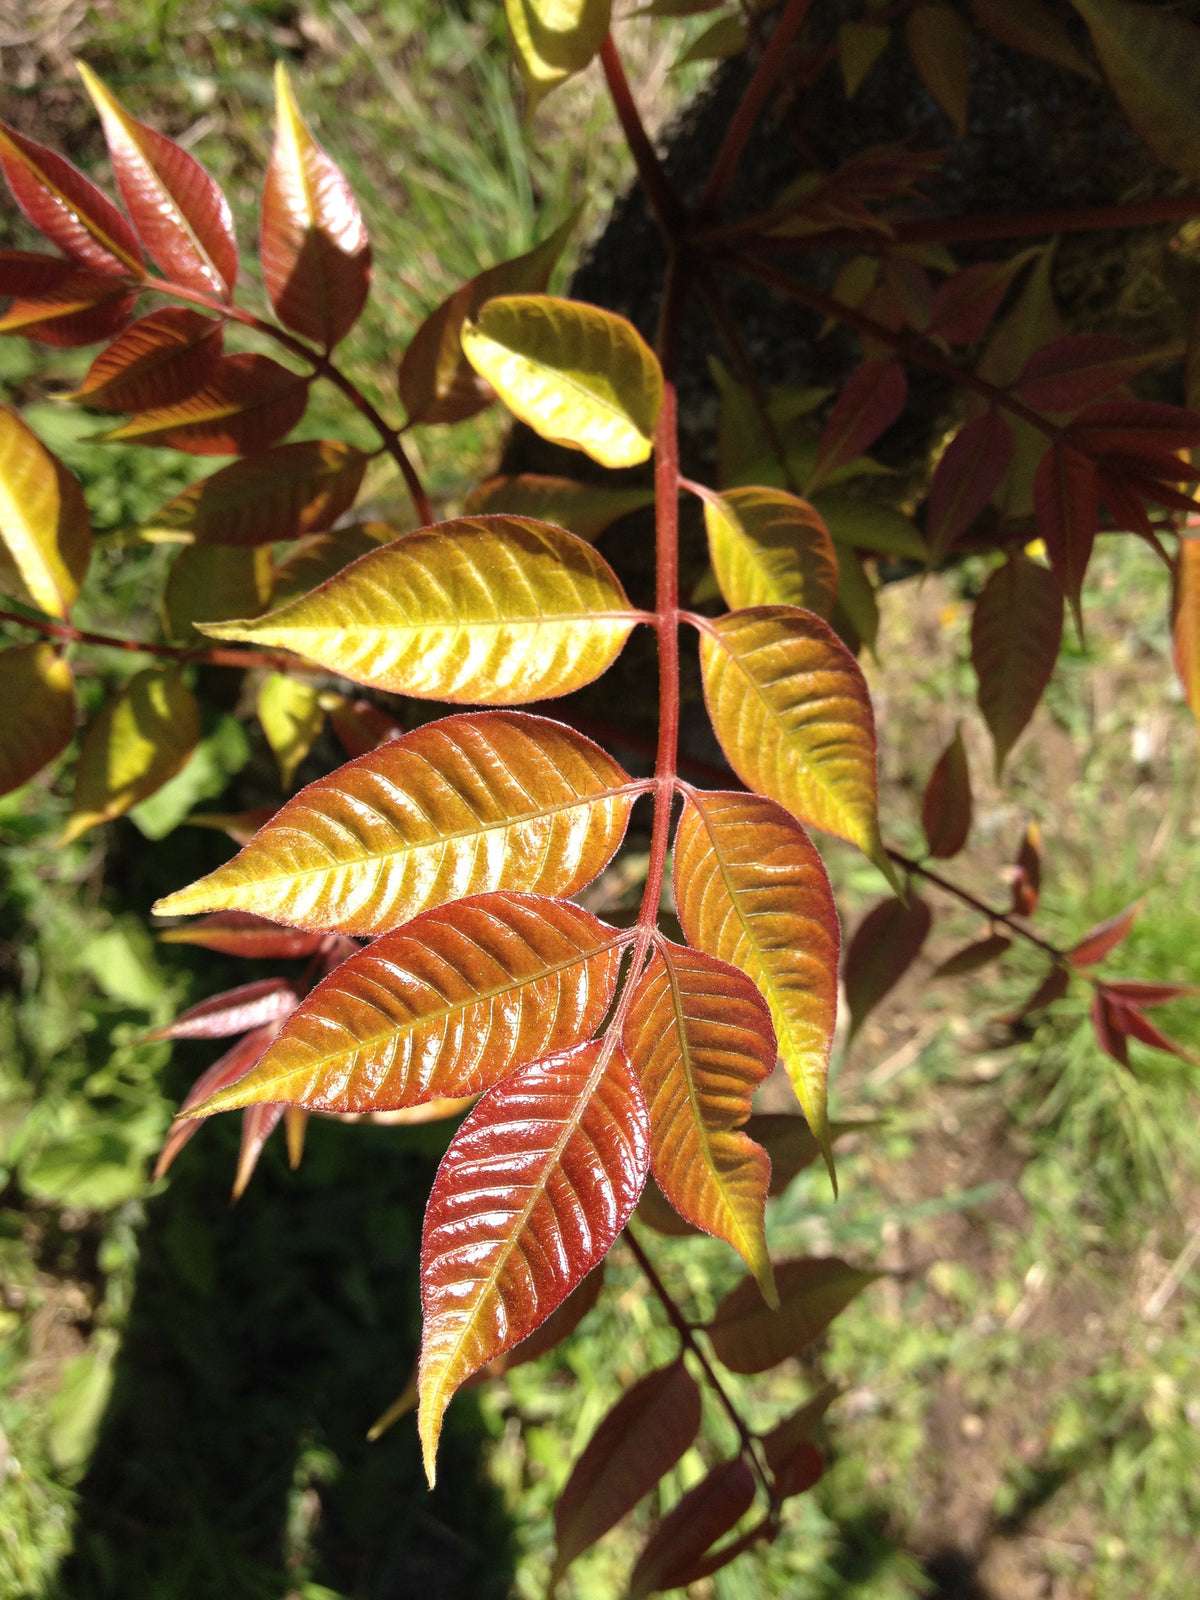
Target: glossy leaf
[(45, 530), (711, 1508), (1027, 25), (208, 583), (493, 610), (579, 376), (584, 509), (442, 1008), (770, 548), (701, 1038), (250, 1005), (640, 1439), (531, 1194), (316, 258), (946, 804), (548, 1335), (38, 694), (82, 309), (1027, 873), (142, 737), (791, 710), (870, 401), (160, 359), (971, 469), (1104, 938), (469, 804), (859, 47), (236, 1060), (749, 1337), (939, 44), (67, 207), (241, 933), (1152, 60), (751, 890), (553, 39), (885, 944), (180, 214), (258, 1124), (1016, 631), (358, 724), (291, 717), (247, 403), (316, 557), (437, 382), (965, 302), (1186, 621), (973, 956)]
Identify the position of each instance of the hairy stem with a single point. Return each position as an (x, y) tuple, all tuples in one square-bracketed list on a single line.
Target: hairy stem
[(202, 655), (968, 899)]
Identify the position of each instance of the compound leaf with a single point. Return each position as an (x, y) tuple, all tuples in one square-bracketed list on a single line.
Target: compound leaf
[(495, 800), (1027, 25), (492, 610), (939, 44), (83, 308), (45, 530), (159, 360), (67, 207), (1016, 631), (579, 376), (531, 1194), (971, 469), (208, 583), (870, 401), (247, 403), (1104, 938), (1072, 372), (750, 1337), (769, 547), (38, 694), (250, 1005)]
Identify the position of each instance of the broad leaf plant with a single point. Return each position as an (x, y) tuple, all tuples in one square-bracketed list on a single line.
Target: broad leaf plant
[(427, 884)]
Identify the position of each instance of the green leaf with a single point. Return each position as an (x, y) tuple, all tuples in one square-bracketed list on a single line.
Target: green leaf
[(210, 583), (726, 37), (291, 716), (1151, 58), (584, 509), (579, 376), (868, 525), (554, 39), (45, 530), (37, 692)]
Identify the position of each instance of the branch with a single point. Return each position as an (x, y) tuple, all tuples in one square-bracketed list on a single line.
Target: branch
[(660, 193), (968, 899), (203, 655)]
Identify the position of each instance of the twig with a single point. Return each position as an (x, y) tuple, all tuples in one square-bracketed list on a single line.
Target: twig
[(968, 899)]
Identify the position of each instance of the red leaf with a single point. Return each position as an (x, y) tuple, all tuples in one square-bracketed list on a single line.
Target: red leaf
[(1131, 1022), (749, 1336), (968, 299), (886, 943), (1148, 994), (224, 1071), (1124, 503), (1016, 632), (82, 309), (717, 1503), (67, 207), (640, 1439), (971, 469), (1099, 941), (871, 399), (538, 1182), (248, 403), (360, 726), (241, 933), (1070, 373), (316, 257), (946, 806), (251, 1005), (29, 272), (180, 214), (973, 956), (799, 1471), (1186, 621), (258, 1124), (157, 361), (1067, 511), (1027, 874), (1136, 427), (1106, 1024), (782, 1445), (1052, 987), (559, 1325)]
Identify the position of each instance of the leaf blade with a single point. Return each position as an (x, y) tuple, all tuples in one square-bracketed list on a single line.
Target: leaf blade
[(38, 691), (45, 529), (1016, 631), (769, 547), (749, 1337)]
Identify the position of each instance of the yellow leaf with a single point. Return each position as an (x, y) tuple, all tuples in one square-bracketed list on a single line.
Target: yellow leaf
[(45, 530), (494, 610), (291, 718), (579, 376), (211, 582), (770, 548), (38, 696), (554, 39)]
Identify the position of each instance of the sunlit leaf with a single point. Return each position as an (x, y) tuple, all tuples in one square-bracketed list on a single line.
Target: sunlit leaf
[(442, 1008), (1027, 873), (82, 309), (751, 890), (160, 359), (1016, 632), (870, 401), (318, 556), (554, 39), (236, 1060), (142, 737), (437, 382), (559, 1325), (859, 47), (939, 44), (45, 530), (639, 1440), (534, 1189), (946, 803), (247, 403), (1151, 58), (791, 709), (67, 207), (749, 1337), (316, 258), (584, 509), (770, 548), (971, 469), (1186, 621), (208, 583), (472, 803), (579, 376), (492, 610), (37, 692), (673, 1554), (241, 933), (702, 1041), (180, 214), (1104, 938), (250, 1005), (885, 944), (1027, 25), (291, 717)]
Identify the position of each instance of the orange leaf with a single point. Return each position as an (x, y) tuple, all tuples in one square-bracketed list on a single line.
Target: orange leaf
[(247, 403), (639, 1440), (67, 207), (939, 44), (946, 805), (442, 1008), (37, 692), (885, 944), (673, 1555), (769, 547), (1101, 940), (559, 1325), (701, 1038), (1186, 621), (495, 800), (159, 360), (751, 1337), (531, 1194), (180, 214), (1016, 632), (258, 1124), (241, 933), (236, 1060), (316, 257), (250, 1005), (870, 401), (971, 469)]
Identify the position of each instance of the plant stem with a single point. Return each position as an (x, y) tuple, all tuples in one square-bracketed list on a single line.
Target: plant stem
[(203, 655), (661, 197), (968, 899)]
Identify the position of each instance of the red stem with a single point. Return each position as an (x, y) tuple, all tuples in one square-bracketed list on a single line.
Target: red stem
[(657, 187), (210, 655), (969, 899), (750, 108)]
